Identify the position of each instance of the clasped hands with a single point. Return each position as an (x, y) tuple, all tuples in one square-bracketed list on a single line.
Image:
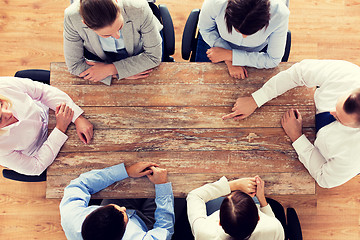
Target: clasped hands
[(291, 121), (98, 71), (64, 115), (254, 186), (218, 54), (152, 170)]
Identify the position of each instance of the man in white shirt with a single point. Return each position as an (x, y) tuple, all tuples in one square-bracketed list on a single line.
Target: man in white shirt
[(333, 159)]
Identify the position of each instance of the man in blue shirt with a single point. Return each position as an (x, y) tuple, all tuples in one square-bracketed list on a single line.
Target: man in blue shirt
[(81, 221)]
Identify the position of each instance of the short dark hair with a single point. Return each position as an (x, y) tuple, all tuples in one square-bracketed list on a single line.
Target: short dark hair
[(106, 222), (352, 104), (98, 13), (247, 16), (239, 215)]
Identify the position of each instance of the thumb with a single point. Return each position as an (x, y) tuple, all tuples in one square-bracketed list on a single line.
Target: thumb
[(90, 63)]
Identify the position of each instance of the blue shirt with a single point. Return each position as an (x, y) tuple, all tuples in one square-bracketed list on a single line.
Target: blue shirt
[(74, 206), (111, 44), (245, 51)]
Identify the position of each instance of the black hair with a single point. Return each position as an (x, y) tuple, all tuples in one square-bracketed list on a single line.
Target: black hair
[(99, 13), (106, 222), (247, 16), (238, 215)]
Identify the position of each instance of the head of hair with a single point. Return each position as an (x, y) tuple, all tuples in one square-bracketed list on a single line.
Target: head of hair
[(352, 104), (238, 215), (106, 222), (247, 16), (7, 100), (98, 14)]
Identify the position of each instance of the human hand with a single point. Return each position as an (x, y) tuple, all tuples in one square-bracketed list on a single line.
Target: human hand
[(246, 185), (141, 75), (159, 175), (260, 191), (291, 121), (98, 71), (237, 72), (64, 115), (140, 169), (218, 54), (243, 108), (84, 129)]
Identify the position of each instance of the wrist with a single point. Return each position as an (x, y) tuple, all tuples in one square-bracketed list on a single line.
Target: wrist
[(229, 55), (295, 137), (61, 129), (112, 69)]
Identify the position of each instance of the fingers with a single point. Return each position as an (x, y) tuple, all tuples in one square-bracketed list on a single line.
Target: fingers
[(90, 63), (84, 73), (230, 115), (82, 137), (245, 71)]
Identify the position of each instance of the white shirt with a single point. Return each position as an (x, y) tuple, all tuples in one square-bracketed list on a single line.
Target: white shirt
[(206, 227), (25, 146), (334, 158), (212, 27)]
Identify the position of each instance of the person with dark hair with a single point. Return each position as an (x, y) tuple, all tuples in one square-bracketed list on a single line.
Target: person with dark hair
[(25, 145), (239, 216), (242, 33), (111, 38), (112, 221), (333, 159)]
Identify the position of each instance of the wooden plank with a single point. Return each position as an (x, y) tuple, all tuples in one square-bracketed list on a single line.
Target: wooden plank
[(139, 140), (174, 73), (186, 117), (254, 162), (276, 183), (177, 95)]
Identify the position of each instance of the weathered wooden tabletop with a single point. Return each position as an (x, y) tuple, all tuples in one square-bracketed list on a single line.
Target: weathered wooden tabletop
[(173, 118)]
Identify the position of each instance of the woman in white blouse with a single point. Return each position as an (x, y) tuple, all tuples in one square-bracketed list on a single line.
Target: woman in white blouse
[(25, 146), (239, 217)]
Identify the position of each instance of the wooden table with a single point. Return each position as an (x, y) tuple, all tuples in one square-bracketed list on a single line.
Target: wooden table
[(173, 118)]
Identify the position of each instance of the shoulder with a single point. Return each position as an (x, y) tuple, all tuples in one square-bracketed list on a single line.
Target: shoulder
[(133, 6), (73, 10), (268, 226), (215, 5), (278, 9)]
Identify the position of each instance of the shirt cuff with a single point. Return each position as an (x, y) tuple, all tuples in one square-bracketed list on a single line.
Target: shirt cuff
[(260, 97), (107, 80), (301, 144), (118, 172), (164, 189), (238, 58), (77, 112), (267, 210), (57, 137)]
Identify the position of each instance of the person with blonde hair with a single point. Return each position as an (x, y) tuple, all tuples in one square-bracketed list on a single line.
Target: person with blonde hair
[(25, 146)]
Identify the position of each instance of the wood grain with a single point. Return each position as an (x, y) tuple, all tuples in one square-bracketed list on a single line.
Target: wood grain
[(322, 29), (182, 162), (182, 183), (140, 140)]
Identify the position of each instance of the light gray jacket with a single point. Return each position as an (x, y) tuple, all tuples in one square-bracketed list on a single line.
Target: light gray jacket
[(142, 39)]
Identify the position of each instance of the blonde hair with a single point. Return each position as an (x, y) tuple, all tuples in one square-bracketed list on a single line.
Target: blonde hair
[(8, 101)]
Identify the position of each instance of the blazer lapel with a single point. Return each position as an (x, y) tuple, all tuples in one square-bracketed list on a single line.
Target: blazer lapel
[(127, 32), (94, 42)]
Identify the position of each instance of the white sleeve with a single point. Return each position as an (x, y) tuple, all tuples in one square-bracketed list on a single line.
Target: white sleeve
[(207, 25), (327, 173), (197, 199), (35, 165), (308, 73), (48, 95)]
